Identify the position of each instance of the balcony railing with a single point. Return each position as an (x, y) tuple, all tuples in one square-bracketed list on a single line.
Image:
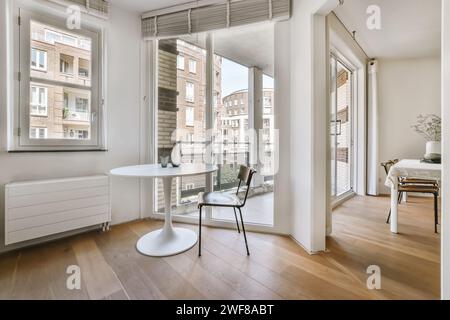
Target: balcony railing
[(228, 155), (76, 116)]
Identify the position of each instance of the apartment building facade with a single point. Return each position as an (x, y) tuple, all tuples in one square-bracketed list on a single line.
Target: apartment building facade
[(60, 65)]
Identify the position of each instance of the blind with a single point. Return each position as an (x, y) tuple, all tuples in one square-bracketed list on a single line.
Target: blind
[(96, 7), (215, 16)]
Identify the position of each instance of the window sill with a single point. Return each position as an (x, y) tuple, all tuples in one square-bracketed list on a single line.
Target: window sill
[(58, 151)]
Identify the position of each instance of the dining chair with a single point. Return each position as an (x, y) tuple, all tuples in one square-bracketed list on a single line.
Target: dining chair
[(227, 200), (406, 185)]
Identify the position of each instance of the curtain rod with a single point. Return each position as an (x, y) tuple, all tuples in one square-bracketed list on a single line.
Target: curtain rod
[(351, 35)]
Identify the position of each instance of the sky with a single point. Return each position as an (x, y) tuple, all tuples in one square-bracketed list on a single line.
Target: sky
[(235, 77)]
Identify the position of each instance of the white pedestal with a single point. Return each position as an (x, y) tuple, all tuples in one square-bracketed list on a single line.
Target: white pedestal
[(167, 241)]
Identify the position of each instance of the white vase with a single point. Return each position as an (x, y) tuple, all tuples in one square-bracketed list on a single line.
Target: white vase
[(176, 155), (433, 147)]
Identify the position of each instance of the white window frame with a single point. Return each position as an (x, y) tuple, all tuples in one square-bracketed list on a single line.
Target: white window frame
[(38, 52), (180, 62), (37, 129), (190, 116), (192, 66), (190, 98), (38, 103), (20, 117)]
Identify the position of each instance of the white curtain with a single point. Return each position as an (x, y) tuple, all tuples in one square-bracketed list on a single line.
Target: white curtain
[(373, 164)]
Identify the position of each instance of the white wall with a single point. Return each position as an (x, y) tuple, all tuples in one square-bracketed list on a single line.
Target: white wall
[(406, 88), (123, 39), (308, 127), (445, 192)]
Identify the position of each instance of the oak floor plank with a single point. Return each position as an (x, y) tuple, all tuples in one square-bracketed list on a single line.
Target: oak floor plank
[(278, 268)]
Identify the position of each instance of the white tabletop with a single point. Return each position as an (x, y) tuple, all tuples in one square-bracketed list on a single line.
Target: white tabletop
[(156, 171), (409, 168)]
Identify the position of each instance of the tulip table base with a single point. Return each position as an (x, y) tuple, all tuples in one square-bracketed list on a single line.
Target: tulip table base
[(167, 241)]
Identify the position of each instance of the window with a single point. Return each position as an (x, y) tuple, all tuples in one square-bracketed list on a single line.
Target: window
[(76, 134), (235, 102), (38, 133), (189, 186), (38, 59), (190, 92), (192, 66), (190, 116), (180, 62), (67, 102), (65, 64), (38, 101), (83, 68), (52, 36), (242, 101)]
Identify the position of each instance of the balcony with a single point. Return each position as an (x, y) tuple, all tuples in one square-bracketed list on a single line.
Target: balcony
[(77, 116), (232, 155)]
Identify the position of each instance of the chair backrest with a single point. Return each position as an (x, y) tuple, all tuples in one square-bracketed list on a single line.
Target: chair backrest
[(245, 178), (387, 165)]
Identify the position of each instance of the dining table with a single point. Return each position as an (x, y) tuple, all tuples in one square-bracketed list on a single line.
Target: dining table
[(167, 241), (408, 168)]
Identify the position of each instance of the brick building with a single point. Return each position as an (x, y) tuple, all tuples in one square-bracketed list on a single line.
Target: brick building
[(56, 111)]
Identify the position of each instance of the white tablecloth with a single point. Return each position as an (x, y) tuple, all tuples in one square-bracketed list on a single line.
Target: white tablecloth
[(413, 169)]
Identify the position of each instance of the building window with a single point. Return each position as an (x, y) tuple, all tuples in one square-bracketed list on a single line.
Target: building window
[(52, 36), (38, 59), (64, 105), (38, 133), (180, 62), (65, 64), (235, 102), (38, 101), (192, 66), (190, 116), (242, 101), (76, 134), (189, 186), (83, 68), (190, 95)]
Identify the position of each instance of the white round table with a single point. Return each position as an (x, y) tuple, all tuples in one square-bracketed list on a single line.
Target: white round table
[(167, 241)]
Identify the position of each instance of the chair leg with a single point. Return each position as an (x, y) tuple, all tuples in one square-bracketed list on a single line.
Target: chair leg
[(436, 214), (200, 232), (389, 217), (237, 222), (243, 229)]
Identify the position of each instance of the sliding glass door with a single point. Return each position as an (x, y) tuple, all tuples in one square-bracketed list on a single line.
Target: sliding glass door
[(212, 92), (341, 131)]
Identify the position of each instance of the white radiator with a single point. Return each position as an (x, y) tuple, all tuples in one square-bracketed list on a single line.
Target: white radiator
[(36, 209)]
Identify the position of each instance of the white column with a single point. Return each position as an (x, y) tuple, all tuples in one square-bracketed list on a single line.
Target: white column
[(255, 116)]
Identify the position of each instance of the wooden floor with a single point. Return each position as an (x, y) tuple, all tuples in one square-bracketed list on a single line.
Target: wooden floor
[(277, 268)]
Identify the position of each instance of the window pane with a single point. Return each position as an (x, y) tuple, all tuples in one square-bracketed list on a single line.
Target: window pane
[(190, 92), (232, 117), (181, 107), (62, 109)]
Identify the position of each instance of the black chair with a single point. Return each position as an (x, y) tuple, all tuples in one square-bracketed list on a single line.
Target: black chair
[(221, 199), (406, 185)]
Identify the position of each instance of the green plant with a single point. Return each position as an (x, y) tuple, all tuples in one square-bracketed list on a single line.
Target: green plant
[(65, 113), (429, 126)]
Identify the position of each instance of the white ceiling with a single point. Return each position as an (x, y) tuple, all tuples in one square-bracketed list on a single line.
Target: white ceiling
[(252, 46), (409, 28), (142, 6)]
